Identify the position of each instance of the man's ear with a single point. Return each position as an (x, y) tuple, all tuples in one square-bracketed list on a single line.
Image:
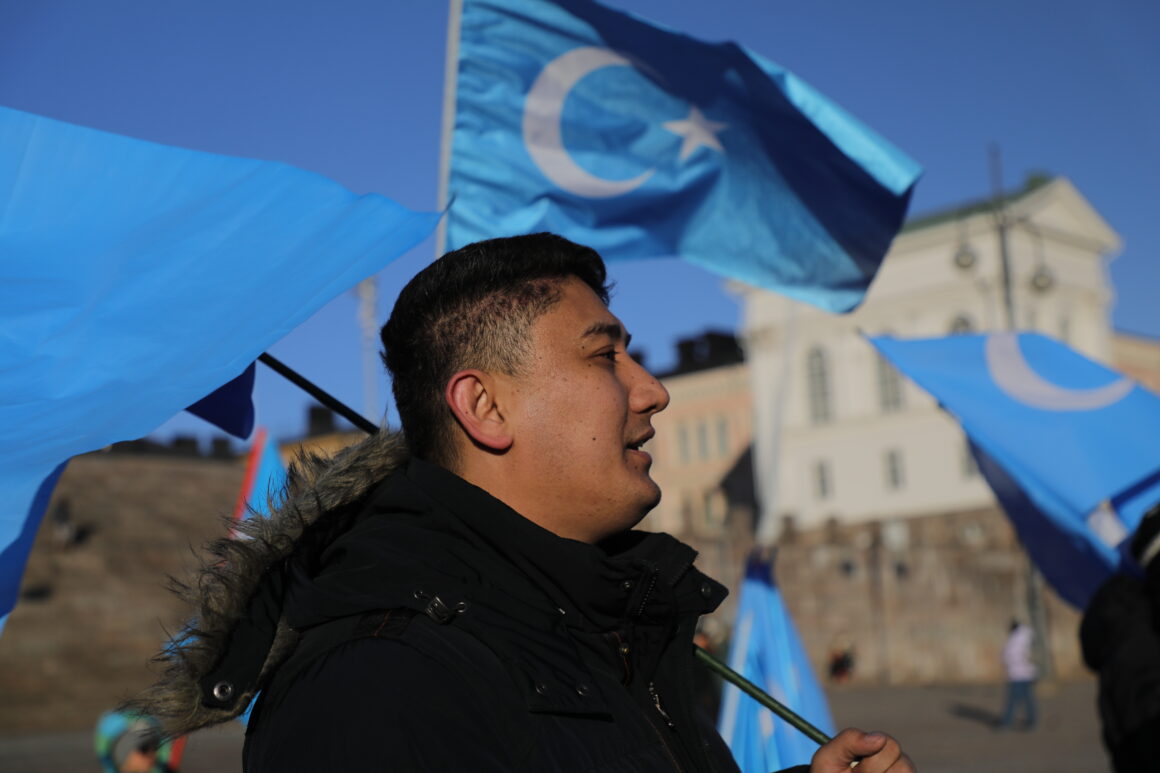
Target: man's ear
[(472, 397)]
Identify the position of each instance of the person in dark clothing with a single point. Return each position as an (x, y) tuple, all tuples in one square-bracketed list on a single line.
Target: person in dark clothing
[(1120, 641), (471, 596)]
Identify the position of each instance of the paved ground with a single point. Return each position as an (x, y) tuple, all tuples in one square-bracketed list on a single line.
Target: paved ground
[(951, 729), (944, 729)]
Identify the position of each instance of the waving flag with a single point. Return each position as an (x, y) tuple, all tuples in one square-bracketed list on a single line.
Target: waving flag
[(135, 279), (1069, 447), (766, 650), (641, 142), (265, 478)]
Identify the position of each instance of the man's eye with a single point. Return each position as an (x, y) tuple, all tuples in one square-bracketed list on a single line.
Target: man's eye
[(610, 355)]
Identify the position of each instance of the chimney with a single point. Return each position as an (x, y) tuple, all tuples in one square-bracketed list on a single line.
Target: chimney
[(319, 421), (220, 448), (687, 354)]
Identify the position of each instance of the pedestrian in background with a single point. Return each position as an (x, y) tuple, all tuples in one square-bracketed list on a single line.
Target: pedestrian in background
[(1021, 673)]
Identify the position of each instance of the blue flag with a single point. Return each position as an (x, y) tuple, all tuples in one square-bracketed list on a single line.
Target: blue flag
[(263, 484), (642, 142), (1068, 446), (766, 650), (135, 279), (230, 407), (265, 478)]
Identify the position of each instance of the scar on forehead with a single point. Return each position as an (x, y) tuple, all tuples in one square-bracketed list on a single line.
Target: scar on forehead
[(613, 330)]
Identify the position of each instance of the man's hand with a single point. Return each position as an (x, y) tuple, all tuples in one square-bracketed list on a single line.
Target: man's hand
[(878, 753)]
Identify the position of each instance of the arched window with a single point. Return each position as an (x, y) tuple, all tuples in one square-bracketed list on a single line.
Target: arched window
[(823, 483), (895, 476), (818, 385), (889, 386), (722, 437)]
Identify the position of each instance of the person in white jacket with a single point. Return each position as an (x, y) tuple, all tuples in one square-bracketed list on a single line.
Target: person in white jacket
[(1021, 673)]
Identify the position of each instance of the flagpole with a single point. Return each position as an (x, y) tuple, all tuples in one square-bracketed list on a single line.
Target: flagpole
[(318, 393), (450, 78), (722, 670), (753, 691), (1036, 609)]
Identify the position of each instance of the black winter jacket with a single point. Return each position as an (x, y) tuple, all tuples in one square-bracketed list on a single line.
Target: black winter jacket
[(445, 632), (1120, 639)]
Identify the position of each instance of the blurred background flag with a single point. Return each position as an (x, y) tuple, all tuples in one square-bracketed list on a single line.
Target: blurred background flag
[(265, 478), (136, 279), (264, 482), (1068, 446), (766, 650), (642, 142)]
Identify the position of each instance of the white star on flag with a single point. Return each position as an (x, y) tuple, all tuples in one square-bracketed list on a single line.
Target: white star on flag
[(697, 130)]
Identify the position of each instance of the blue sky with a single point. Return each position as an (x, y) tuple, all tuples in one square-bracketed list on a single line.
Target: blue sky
[(353, 89)]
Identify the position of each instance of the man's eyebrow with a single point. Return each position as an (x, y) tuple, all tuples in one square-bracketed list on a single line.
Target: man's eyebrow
[(610, 330)]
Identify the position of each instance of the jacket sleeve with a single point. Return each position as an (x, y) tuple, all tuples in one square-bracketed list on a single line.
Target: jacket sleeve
[(1120, 642), (385, 705)]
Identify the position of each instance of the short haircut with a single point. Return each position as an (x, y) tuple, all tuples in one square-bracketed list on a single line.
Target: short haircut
[(473, 308)]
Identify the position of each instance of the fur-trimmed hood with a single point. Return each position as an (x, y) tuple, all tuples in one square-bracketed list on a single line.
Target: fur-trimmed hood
[(236, 596)]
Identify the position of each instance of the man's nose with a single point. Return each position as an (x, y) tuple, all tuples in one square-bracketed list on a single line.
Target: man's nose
[(648, 395)]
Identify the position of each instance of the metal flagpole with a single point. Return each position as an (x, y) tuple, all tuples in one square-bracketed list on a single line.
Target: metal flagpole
[(450, 78), (367, 295), (1036, 610)]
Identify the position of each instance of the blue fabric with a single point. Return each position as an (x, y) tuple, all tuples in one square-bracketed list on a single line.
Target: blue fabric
[(569, 119), (268, 483), (135, 279), (230, 407), (766, 650), (1055, 435)]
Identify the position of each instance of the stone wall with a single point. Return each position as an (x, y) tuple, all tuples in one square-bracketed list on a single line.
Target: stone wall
[(920, 600), (95, 605)]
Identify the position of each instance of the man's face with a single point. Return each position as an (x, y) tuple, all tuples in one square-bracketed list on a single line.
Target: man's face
[(581, 410)]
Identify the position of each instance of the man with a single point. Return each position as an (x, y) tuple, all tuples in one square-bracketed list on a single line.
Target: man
[(1021, 673), (484, 605)]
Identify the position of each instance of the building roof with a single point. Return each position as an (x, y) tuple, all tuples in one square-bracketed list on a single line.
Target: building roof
[(1033, 183)]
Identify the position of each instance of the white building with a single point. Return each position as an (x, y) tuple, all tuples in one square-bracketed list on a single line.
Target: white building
[(838, 433)]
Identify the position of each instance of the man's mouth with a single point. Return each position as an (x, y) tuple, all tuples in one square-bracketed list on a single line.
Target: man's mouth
[(637, 444)]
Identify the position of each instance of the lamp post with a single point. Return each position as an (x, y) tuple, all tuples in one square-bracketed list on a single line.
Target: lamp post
[(1036, 610)]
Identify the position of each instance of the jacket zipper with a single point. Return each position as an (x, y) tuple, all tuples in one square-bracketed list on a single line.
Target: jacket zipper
[(656, 701)]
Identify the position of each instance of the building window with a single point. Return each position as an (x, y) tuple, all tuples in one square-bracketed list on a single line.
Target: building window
[(722, 437), (703, 440), (895, 476), (889, 386), (823, 482), (714, 507), (818, 386), (961, 324), (683, 443)]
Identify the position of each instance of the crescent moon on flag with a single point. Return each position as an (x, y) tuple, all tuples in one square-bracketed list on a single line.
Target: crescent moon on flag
[(1011, 373), (543, 136)]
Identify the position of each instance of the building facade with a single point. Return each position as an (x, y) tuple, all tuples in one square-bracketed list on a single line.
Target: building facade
[(839, 434), (889, 541)]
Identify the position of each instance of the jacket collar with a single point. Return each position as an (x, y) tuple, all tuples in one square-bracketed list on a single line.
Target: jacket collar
[(634, 576)]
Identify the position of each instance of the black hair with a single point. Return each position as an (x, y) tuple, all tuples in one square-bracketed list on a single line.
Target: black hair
[(473, 308)]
